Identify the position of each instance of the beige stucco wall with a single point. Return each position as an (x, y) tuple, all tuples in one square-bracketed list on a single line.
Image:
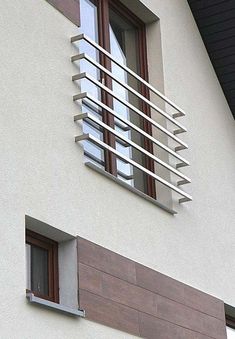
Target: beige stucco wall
[(42, 171)]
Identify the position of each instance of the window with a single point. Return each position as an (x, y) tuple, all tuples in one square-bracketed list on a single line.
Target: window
[(126, 134), (121, 33), (42, 266)]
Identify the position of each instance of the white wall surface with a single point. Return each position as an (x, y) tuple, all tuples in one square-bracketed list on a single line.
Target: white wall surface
[(42, 171)]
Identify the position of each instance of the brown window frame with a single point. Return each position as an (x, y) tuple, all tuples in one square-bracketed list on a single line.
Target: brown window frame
[(103, 34), (51, 246)]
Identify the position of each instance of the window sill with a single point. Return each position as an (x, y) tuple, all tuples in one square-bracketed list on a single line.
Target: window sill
[(54, 306), (130, 188)]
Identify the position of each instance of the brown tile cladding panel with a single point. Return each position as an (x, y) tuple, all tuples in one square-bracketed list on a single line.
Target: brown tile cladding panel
[(90, 279), (109, 313), (144, 301), (69, 8), (117, 290), (189, 318), (153, 328), (177, 291), (129, 295), (166, 307), (106, 260)]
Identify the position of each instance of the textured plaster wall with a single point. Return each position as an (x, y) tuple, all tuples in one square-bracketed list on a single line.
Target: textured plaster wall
[(42, 174)]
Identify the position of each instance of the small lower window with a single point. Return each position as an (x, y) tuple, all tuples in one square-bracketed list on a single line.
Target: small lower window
[(42, 266)]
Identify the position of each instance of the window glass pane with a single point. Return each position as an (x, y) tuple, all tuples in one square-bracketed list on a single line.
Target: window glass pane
[(28, 266), (124, 47), (230, 333), (89, 13), (39, 270)]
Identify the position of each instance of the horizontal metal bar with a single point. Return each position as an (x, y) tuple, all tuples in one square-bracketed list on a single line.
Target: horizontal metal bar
[(58, 307), (94, 158), (86, 96), (125, 176), (128, 70), (179, 148), (99, 112), (98, 127), (127, 87), (139, 148), (176, 115), (81, 137), (121, 126), (183, 182), (178, 131), (84, 75), (182, 200), (90, 122), (101, 162), (79, 116), (101, 144), (180, 164), (84, 136), (122, 142)]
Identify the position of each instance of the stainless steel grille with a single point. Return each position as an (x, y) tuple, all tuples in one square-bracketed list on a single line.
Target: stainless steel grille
[(88, 99)]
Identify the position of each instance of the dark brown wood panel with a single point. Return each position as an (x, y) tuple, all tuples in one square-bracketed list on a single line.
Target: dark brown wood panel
[(106, 260), (177, 291), (109, 313), (69, 8), (158, 306)]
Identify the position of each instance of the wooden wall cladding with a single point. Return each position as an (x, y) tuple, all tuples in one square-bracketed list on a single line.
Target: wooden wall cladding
[(69, 8), (125, 295)]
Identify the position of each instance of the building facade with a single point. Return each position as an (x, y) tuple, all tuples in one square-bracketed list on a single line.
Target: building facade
[(106, 231)]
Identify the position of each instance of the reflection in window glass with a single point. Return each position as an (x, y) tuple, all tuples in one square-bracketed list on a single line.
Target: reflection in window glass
[(89, 10), (230, 333), (124, 47), (28, 266), (39, 270)]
